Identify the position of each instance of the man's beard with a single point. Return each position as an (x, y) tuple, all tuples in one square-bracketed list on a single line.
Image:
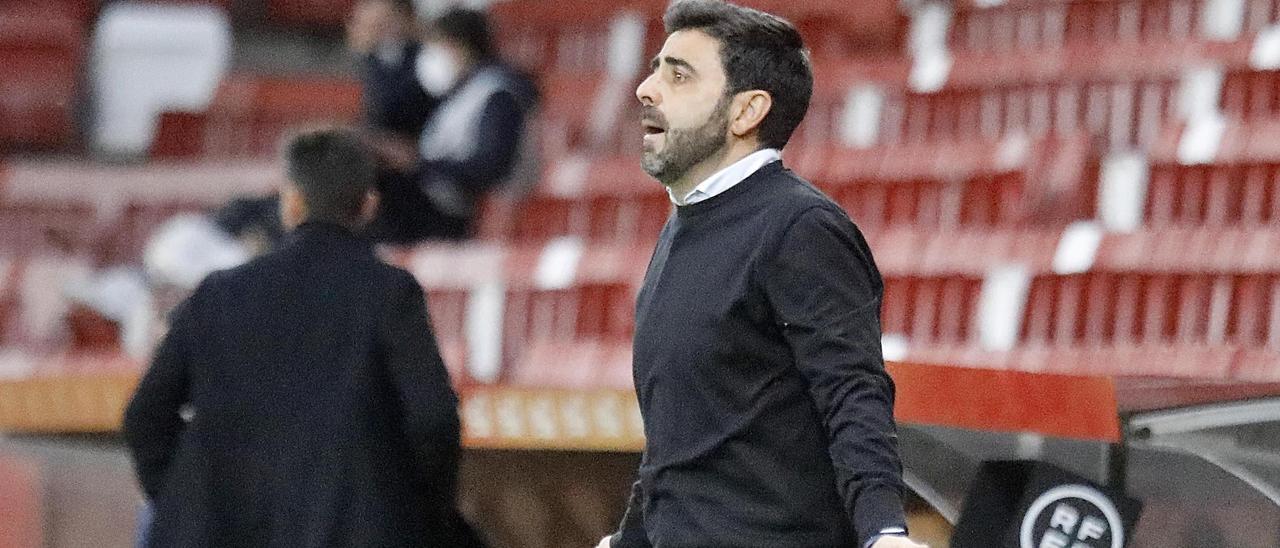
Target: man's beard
[(685, 148)]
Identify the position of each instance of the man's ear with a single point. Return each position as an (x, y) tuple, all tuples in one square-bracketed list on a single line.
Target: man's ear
[(293, 208), (369, 207), (749, 110)]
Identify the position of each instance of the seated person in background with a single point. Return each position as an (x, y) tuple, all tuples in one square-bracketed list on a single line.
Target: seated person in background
[(384, 35), (254, 221), (132, 302), (474, 141)]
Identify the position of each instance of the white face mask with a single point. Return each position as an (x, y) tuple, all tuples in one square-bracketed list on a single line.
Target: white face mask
[(437, 69)]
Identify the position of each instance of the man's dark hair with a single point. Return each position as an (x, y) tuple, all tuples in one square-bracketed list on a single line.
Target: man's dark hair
[(333, 170), (759, 51), (405, 7), (468, 28)]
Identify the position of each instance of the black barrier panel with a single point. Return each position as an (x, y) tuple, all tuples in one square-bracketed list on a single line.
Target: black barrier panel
[(1029, 504)]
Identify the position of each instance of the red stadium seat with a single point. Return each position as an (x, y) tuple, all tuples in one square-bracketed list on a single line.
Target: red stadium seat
[(932, 280), (1124, 91), (322, 14), (1249, 95), (10, 278), (1121, 110), (931, 311), (607, 199), (38, 295), (603, 218), (52, 226), (42, 50), (250, 114), (1150, 309), (1187, 302), (466, 282), (573, 106), (547, 37), (1019, 24), (1213, 195), (1168, 287), (575, 37), (981, 184), (1212, 250), (966, 184), (179, 135)]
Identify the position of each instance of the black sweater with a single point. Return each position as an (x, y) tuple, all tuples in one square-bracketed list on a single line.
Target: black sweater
[(767, 409)]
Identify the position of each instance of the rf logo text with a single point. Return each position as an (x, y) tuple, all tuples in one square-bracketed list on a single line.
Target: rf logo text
[(1065, 522), (1072, 516)]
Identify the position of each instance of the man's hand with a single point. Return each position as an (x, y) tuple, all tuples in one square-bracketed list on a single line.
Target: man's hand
[(894, 541), (395, 153), (604, 543)]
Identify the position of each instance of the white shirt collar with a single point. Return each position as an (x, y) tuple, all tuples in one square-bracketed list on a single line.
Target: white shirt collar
[(728, 177)]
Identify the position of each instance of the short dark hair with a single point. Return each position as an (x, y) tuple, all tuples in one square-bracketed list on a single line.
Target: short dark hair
[(468, 28), (333, 170), (406, 8), (759, 51)]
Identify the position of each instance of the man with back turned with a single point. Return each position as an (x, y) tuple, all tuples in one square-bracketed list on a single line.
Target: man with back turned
[(300, 400), (767, 409)]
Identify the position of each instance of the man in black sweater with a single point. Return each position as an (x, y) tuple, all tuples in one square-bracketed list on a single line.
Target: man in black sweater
[(299, 400), (768, 413)]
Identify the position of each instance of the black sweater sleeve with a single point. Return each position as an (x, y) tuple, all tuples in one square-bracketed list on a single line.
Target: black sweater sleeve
[(825, 290)]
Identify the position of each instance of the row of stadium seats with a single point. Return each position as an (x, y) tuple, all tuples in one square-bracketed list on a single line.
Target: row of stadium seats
[(500, 309), (1025, 24), (1151, 288), (855, 106), (577, 38), (1125, 91), (975, 185), (250, 114), (966, 179)]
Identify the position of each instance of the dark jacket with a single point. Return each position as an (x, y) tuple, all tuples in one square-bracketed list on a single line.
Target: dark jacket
[(318, 412), (393, 100), (768, 414)]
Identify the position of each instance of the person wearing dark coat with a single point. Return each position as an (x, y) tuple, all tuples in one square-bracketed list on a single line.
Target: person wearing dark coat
[(476, 141), (382, 34), (300, 400)]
